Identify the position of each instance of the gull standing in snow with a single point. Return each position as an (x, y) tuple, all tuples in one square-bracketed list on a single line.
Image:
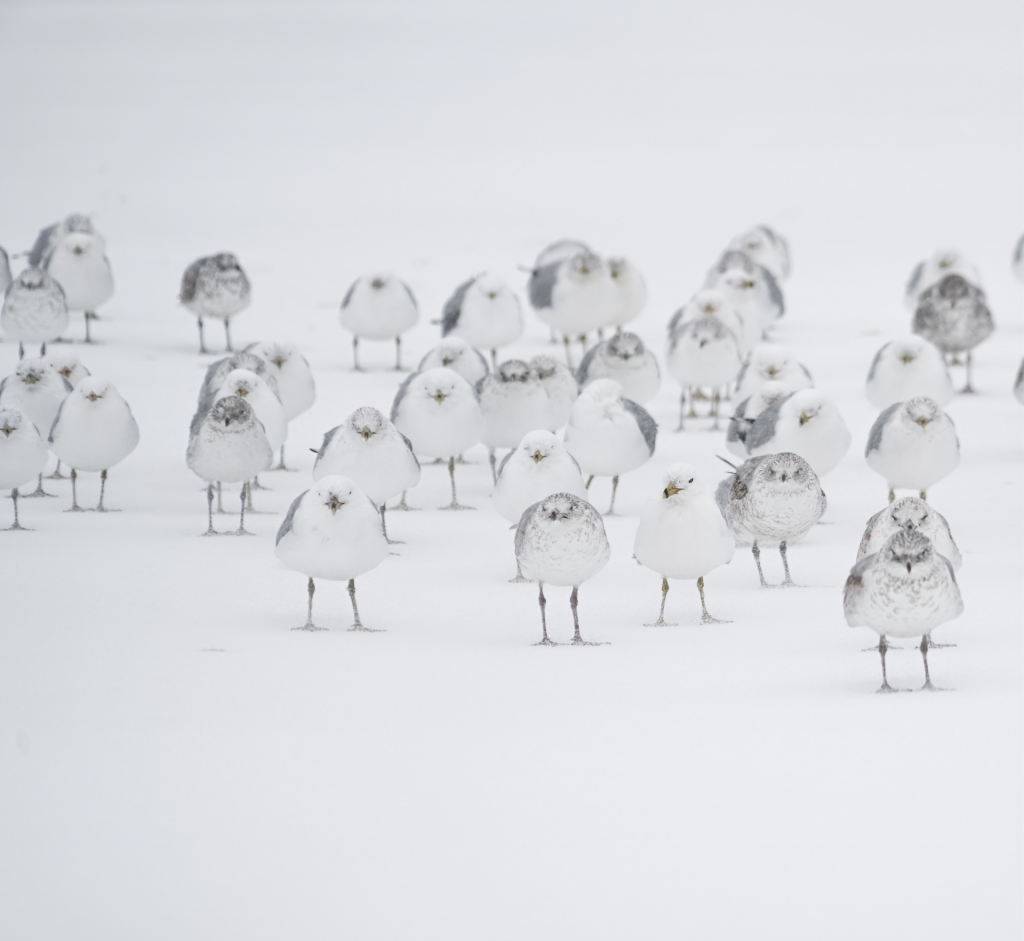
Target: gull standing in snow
[(22, 454), (560, 251), (624, 359), (332, 531), (65, 360), (630, 292), (227, 444), (295, 385), (702, 353), (806, 423), (932, 270), (682, 535), (766, 247), (756, 294), (910, 514), (905, 368), (913, 445), (561, 541), (905, 590), (456, 354), (485, 312), (37, 390), (561, 386), (573, 296), (439, 412), (539, 466), (373, 454), (94, 430), (746, 412), (608, 434), (379, 307), (770, 501), (215, 286), (954, 316), (712, 303), (513, 402), (220, 370), (34, 310), (768, 362), (73, 253)]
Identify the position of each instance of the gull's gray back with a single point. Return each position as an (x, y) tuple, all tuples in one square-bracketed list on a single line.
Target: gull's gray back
[(648, 426), (286, 526), (875, 435), (41, 250), (763, 429), (400, 394), (453, 307), (542, 285)]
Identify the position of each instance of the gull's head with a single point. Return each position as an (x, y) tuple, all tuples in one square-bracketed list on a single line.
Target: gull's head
[(79, 243), (785, 471), (625, 346), (241, 382), (546, 366), (619, 269), (922, 410), (736, 279), (769, 359), (805, 406), (367, 422), (439, 384), (707, 330), (681, 481), (11, 419), (31, 371), (945, 259), (65, 362), (333, 492), (953, 287), (604, 393), (449, 350), (909, 513), (32, 278), (79, 222), (93, 389), (584, 266), (231, 414), (225, 261), (538, 445), (770, 393), (513, 370), (378, 281), (560, 508), (490, 286), (276, 353), (906, 550), (708, 303)]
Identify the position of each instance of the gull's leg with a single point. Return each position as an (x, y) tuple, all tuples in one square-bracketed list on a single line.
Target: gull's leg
[(280, 463), (242, 531), (600, 334), (583, 342), (590, 480), (545, 641), (968, 387), (706, 618), (220, 505), (39, 492), (89, 317), (454, 505), (892, 495), (931, 643), (17, 525), (309, 625), (615, 486), (494, 471), (100, 508), (355, 354), (75, 508), (661, 622), (256, 485), (757, 558), (925, 644), (715, 398), (568, 353), (787, 582), (21, 351), (384, 526), (402, 505), (618, 328), (227, 335), (578, 641), (924, 495), (882, 648), (494, 358), (202, 341), (519, 576), (682, 408), (358, 625), (693, 397), (56, 475), (209, 512)]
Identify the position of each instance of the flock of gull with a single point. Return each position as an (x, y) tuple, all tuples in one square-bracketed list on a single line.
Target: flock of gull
[(560, 423)]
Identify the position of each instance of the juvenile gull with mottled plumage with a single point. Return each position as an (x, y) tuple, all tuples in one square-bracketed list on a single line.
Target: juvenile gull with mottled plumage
[(910, 514), (625, 359), (215, 286)]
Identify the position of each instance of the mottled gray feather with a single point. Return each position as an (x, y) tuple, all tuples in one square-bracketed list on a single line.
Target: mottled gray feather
[(40, 252), (648, 426), (188, 282), (875, 435), (453, 307), (408, 444), (774, 291), (581, 373), (286, 526), (400, 394), (763, 429), (542, 285), (524, 521)]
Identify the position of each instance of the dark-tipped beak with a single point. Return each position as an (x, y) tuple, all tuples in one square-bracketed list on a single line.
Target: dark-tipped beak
[(367, 434), (7, 429), (77, 249), (335, 504), (908, 568), (439, 396), (537, 457)]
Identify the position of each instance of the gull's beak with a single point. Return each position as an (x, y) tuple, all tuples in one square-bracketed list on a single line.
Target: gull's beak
[(772, 372), (804, 418), (537, 457), (670, 491), (92, 396), (31, 380), (908, 568), (439, 396), (907, 358), (747, 284), (785, 476), (77, 249), (7, 429), (922, 421), (334, 503), (242, 391), (366, 433), (447, 361), (66, 372), (376, 284), (278, 361), (492, 295)]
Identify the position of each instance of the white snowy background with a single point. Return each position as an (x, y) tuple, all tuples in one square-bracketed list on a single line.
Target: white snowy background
[(176, 763)]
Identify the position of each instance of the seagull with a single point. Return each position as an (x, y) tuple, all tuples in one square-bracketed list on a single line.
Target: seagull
[(744, 414), (215, 286), (910, 514), (65, 360), (263, 400), (766, 247), (5, 270), (757, 294), (37, 390), (905, 368), (220, 370), (561, 386), (771, 501), (630, 292), (73, 253), (770, 361), (227, 444), (94, 430), (1018, 259), (34, 310), (905, 590), (954, 316), (624, 359), (913, 445), (333, 531), (712, 303), (379, 306), (538, 467), (559, 251), (806, 423), (485, 312), (682, 535), (561, 541), (440, 414), (513, 402), (373, 454), (932, 270), (22, 454), (608, 434), (702, 353), (457, 355), (295, 385), (574, 296)]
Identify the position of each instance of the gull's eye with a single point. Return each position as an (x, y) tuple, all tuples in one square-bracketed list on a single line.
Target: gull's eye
[(690, 480)]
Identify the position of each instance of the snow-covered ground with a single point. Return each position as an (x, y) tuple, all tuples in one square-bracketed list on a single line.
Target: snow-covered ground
[(176, 763)]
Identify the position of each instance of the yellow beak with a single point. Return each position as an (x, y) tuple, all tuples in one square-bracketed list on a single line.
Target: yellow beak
[(7, 429), (334, 503), (92, 396), (907, 358), (804, 418), (537, 457), (439, 396), (921, 421), (670, 491), (367, 434), (242, 392)]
